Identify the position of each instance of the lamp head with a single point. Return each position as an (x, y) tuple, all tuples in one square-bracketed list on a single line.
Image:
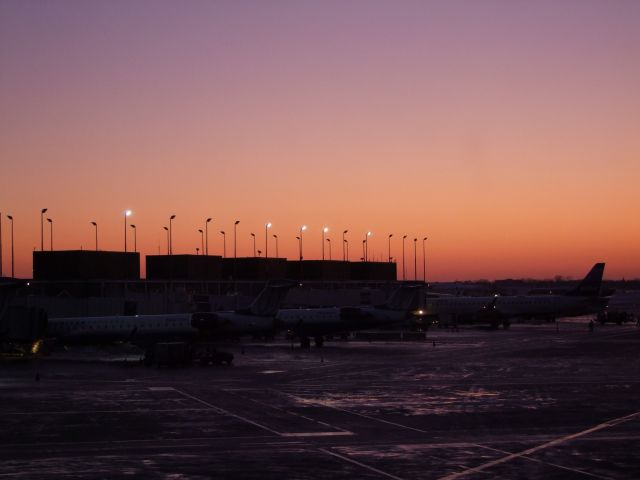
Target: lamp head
[(127, 213), (237, 222), (172, 217), (49, 220), (94, 224), (44, 210), (325, 229), (268, 225), (303, 228), (209, 219)]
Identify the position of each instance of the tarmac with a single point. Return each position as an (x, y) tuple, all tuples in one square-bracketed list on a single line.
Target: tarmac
[(534, 401)]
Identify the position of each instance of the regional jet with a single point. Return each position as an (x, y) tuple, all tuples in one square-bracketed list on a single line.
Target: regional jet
[(319, 322), (584, 299), (147, 330)]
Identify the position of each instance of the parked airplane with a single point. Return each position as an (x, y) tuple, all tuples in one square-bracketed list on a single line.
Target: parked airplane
[(319, 322), (146, 330), (584, 299)]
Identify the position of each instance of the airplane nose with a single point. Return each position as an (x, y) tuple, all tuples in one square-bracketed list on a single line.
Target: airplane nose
[(204, 321)]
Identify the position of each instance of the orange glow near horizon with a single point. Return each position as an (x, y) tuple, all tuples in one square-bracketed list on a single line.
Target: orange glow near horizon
[(515, 152)]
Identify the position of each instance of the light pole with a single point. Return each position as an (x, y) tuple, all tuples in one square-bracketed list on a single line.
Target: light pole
[(404, 274), (424, 261), (42, 212), (415, 259), (346, 247), (95, 224), (267, 226), (364, 250), (50, 233), (276, 237), (329, 241), (0, 244), (390, 235), (254, 244), (324, 230), (10, 217), (201, 239), (126, 214), (344, 241), (299, 247), (135, 238), (366, 247), (224, 244), (167, 230), (171, 235), (235, 251), (302, 229), (206, 234)]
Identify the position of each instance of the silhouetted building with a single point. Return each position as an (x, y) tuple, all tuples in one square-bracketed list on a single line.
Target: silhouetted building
[(320, 270), (373, 271), (86, 265), (254, 268), (184, 267), (335, 270)]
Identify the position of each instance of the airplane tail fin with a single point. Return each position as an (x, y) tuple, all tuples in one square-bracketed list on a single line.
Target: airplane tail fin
[(406, 296), (591, 285), (270, 298)]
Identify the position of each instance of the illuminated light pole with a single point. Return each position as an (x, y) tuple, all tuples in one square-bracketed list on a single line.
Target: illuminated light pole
[(276, 237), (424, 261), (235, 225), (42, 212), (390, 235), (127, 213), (324, 230), (50, 233), (13, 275), (206, 235), (224, 244), (267, 226), (415, 259), (404, 271), (171, 235), (95, 224), (345, 257), (135, 237), (302, 229), (329, 241), (254, 244), (366, 247), (201, 240), (167, 230)]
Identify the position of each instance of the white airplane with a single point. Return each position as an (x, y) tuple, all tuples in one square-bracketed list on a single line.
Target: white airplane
[(318, 322), (584, 299), (256, 319)]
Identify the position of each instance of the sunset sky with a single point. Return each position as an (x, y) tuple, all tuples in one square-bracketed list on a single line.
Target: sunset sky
[(507, 132)]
